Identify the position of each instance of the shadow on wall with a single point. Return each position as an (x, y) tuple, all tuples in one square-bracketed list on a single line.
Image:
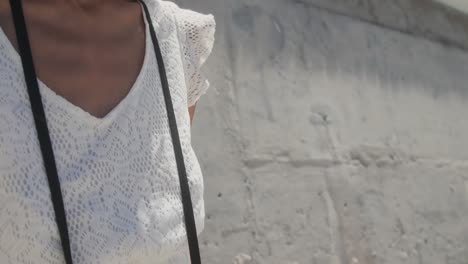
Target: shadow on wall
[(304, 40)]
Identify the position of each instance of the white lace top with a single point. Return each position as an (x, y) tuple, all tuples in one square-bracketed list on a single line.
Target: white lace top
[(118, 173)]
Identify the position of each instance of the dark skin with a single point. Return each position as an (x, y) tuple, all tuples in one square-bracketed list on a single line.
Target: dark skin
[(88, 51)]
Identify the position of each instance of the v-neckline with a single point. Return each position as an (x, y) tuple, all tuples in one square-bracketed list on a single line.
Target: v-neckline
[(51, 96)]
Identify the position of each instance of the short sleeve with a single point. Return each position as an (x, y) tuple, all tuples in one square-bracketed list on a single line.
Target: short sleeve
[(196, 35)]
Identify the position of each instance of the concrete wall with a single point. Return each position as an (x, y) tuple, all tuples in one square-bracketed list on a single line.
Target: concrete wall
[(333, 134), (460, 5)]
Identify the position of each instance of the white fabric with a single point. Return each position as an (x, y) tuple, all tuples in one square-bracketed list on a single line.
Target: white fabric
[(118, 173)]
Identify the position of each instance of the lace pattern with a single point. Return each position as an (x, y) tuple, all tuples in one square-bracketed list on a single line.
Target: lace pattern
[(118, 174)]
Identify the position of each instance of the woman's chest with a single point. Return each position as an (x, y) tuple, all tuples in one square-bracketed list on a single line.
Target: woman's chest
[(135, 126), (87, 59), (118, 173)]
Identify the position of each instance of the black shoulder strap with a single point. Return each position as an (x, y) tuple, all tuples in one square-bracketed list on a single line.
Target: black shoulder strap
[(184, 186), (46, 145), (41, 125)]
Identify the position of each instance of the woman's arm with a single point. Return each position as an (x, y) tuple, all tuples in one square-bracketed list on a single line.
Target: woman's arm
[(192, 112)]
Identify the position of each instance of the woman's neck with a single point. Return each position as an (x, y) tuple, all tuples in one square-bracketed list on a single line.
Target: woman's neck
[(89, 3), (81, 4)]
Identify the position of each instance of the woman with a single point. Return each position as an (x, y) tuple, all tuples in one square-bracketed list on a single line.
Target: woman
[(98, 78)]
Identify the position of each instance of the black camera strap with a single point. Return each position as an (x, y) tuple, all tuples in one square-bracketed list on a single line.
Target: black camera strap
[(46, 145)]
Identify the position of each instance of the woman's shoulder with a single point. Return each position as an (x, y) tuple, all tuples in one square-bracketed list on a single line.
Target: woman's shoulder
[(196, 34), (183, 17)]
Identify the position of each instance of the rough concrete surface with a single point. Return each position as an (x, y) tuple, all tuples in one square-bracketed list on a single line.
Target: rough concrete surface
[(460, 5), (423, 18), (326, 138)]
